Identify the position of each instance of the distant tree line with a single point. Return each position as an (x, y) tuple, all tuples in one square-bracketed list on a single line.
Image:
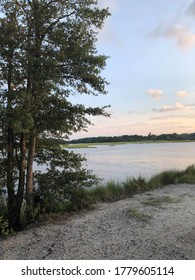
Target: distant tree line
[(135, 137)]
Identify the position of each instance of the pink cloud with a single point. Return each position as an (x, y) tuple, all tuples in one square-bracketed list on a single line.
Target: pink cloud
[(155, 93), (176, 107), (182, 93), (183, 36)]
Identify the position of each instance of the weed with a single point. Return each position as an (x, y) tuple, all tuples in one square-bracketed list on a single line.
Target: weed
[(4, 227), (158, 201), (138, 215)]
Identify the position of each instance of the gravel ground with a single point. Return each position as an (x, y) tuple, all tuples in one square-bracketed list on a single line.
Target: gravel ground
[(155, 225)]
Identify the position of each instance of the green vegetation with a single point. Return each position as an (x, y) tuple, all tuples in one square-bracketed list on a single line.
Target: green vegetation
[(150, 138), (112, 191), (47, 54), (58, 198), (91, 145), (112, 141)]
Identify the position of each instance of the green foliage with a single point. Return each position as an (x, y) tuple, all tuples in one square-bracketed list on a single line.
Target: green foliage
[(47, 55), (151, 138), (64, 184)]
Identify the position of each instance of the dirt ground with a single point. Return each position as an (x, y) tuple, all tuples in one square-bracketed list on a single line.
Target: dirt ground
[(156, 225)]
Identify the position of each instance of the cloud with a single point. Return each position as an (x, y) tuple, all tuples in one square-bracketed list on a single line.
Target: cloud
[(182, 93), (184, 37), (191, 9), (176, 107), (167, 117), (155, 93)]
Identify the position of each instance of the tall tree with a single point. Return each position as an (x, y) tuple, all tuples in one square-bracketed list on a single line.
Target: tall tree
[(47, 53)]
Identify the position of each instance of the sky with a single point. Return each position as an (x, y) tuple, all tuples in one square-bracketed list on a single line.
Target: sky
[(150, 70)]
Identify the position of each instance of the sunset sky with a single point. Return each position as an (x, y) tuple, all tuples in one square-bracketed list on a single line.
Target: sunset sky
[(151, 69)]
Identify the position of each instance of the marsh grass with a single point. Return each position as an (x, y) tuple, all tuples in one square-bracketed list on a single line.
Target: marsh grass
[(112, 191), (91, 145)]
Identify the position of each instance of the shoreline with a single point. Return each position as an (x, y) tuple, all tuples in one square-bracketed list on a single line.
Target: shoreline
[(95, 144)]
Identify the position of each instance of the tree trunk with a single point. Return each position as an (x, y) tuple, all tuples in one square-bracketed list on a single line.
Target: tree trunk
[(10, 180), (21, 182), (22, 167), (12, 205), (29, 179)]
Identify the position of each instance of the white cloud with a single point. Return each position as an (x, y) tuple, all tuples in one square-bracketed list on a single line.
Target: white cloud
[(184, 37), (182, 34), (155, 93), (182, 93), (176, 107)]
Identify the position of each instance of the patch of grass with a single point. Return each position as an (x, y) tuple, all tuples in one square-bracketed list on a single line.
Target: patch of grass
[(158, 201), (164, 178), (112, 191), (78, 146), (133, 186), (93, 145), (188, 175), (138, 215)]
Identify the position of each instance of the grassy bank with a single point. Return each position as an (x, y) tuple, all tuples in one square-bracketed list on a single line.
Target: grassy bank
[(110, 192), (113, 191), (94, 145)]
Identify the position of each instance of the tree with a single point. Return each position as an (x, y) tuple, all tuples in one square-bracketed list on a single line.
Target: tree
[(47, 53)]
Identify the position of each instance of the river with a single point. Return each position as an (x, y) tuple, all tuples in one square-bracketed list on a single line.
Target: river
[(121, 161)]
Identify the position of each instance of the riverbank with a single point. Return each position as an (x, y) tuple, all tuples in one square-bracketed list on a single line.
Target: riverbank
[(96, 144), (157, 224)]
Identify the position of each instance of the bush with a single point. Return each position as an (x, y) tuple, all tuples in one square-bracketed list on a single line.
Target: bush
[(64, 185)]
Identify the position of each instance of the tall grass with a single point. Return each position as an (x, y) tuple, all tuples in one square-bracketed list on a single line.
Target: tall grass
[(112, 191)]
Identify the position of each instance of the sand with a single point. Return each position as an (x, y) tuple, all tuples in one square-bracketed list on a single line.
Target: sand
[(155, 225)]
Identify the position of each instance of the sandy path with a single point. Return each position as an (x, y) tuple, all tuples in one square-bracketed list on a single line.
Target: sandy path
[(159, 225)]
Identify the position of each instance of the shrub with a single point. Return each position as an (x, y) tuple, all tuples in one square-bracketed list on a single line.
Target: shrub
[(63, 186)]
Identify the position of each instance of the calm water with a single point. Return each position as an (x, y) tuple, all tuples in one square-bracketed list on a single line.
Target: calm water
[(121, 161)]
